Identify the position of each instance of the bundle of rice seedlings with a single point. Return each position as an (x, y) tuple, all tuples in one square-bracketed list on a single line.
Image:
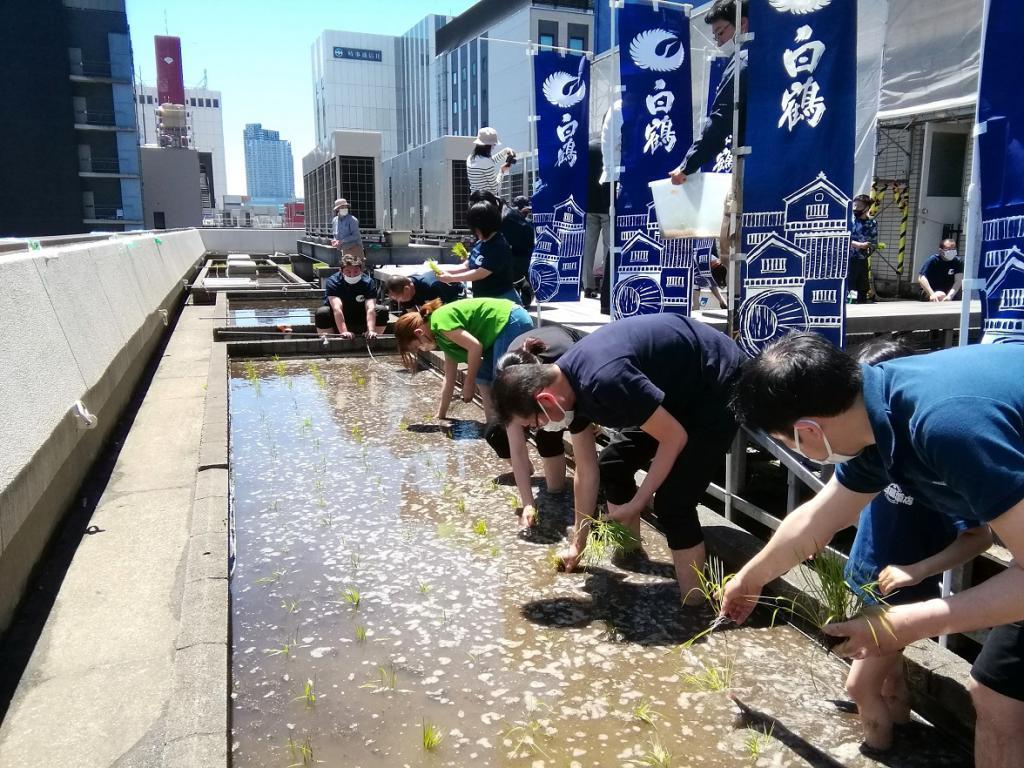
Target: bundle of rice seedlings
[(607, 537)]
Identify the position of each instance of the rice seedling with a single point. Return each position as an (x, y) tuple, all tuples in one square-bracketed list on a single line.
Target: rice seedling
[(527, 735), (272, 578), (512, 500), (403, 425), (360, 381), (250, 372), (301, 754), (387, 679), (290, 606), (279, 366), (327, 521), (711, 582), (554, 559), (424, 588), (460, 505), (355, 558), (318, 377), (432, 736), (307, 424), (352, 597), (308, 694), (605, 538), (321, 500), (357, 433), (480, 527), (757, 742), (710, 678), (655, 756), (644, 713), (493, 551), (460, 252), (285, 649), (360, 633)]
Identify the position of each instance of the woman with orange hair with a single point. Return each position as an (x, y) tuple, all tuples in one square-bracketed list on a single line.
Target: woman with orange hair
[(472, 331)]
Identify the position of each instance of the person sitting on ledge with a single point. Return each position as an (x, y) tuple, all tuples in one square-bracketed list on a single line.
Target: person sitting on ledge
[(350, 306), (413, 291), (471, 331)]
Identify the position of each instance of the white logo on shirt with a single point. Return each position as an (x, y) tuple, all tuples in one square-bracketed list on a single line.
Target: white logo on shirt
[(895, 495)]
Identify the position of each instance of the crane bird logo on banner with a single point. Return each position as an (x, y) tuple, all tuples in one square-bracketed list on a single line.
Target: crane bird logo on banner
[(657, 50), (799, 6), (564, 90)]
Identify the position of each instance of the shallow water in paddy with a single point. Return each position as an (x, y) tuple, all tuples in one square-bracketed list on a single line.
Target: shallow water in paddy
[(343, 484), (283, 311)]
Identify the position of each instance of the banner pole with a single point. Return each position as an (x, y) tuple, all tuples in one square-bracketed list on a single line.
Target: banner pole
[(529, 182), (738, 152), (612, 163)]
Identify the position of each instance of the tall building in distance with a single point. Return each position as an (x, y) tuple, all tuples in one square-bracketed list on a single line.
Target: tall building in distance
[(269, 168), (379, 83), (69, 138), (205, 120)]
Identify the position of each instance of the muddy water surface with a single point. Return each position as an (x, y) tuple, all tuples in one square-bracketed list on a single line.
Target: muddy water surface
[(380, 590)]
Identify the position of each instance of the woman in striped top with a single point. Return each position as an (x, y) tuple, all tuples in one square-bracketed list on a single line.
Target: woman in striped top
[(487, 165)]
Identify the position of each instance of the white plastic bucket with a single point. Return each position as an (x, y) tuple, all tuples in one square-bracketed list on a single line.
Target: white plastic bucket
[(692, 209)]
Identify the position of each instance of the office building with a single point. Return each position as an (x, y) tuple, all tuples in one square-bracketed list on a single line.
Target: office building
[(269, 168), (205, 131), (69, 137)]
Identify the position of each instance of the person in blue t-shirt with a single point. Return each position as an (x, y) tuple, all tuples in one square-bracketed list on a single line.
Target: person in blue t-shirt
[(413, 291), (948, 427), (489, 266), (900, 548), (664, 382), (350, 304), (942, 274)]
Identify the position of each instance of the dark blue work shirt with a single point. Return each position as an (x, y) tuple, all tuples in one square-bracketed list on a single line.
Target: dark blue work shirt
[(897, 529), (494, 255), (941, 274), (427, 287), (518, 233), (948, 428), (622, 373), (350, 295)]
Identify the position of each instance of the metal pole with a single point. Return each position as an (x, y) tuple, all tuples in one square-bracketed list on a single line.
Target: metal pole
[(612, 163), (736, 256), (531, 52)]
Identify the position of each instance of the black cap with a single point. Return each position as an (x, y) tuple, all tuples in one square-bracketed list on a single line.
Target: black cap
[(521, 202)]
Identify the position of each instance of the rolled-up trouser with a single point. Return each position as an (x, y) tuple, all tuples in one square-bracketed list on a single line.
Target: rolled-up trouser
[(549, 444), (675, 502), (355, 318)]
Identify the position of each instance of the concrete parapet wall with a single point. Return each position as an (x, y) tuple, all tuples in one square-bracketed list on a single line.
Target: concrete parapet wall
[(252, 241), (77, 322)]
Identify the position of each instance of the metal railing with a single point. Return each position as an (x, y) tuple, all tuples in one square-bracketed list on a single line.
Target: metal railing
[(95, 117), (99, 164), (105, 214)]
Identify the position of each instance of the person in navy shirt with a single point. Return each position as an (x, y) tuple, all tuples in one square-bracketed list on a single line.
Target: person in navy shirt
[(412, 292), (664, 382), (350, 304), (489, 267), (948, 428), (900, 548), (942, 274)]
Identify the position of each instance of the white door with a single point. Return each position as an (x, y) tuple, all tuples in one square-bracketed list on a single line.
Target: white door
[(941, 203)]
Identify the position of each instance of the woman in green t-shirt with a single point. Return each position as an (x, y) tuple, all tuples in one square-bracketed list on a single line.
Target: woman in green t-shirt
[(472, 331)]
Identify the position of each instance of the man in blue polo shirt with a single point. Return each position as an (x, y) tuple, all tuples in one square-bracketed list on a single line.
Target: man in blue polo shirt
[(949, 429), (350, 304), (662, 381), (942, 274)]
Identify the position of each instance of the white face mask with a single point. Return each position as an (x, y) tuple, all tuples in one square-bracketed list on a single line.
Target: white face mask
[(949, 255), (831, 458), (561, 424), (352, 280), (343, 211), (728, 49)]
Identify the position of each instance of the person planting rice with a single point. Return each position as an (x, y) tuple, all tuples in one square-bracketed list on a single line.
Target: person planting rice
[(471, 331), (900, 547), (664, 381), (544, 345), (948, 428)]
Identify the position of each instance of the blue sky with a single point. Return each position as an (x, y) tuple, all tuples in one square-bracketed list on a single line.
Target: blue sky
[(258, 55)]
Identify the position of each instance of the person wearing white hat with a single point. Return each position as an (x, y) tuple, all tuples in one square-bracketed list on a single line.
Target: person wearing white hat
[(488, 164), (345, 228)]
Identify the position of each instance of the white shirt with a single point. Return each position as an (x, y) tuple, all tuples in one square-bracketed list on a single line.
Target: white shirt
[(611, 130)]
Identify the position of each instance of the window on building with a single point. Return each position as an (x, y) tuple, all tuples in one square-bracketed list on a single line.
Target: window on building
[(472, 69), (209, 103), (216, 103), (455, 107), (455, 78), (474, 100), (577, 44), (149, 99), (191, 102), (547, 40)]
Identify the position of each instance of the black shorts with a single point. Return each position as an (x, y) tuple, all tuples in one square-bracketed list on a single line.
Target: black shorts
[(1000, 665), (549, 444), (355, 318)]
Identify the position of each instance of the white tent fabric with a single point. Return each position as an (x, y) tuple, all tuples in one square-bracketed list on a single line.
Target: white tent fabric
[(872, 20), (932, 56)]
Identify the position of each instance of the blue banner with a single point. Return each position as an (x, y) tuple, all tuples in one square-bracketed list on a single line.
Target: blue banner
[(651, 274), (798, 179), (561, 87), (722, 163), (1001, 166)]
